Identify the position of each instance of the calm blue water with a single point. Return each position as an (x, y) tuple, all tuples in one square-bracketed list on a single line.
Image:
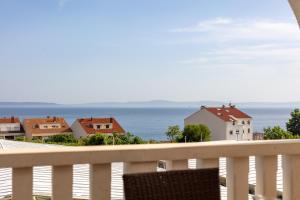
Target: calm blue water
[(149, 123)]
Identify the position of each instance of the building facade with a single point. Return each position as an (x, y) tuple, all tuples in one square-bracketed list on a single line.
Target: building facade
[(45, 127), (88, 126), (225, 123), (10, 128)]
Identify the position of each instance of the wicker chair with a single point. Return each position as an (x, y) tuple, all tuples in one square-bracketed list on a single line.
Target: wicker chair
[(198, 184)]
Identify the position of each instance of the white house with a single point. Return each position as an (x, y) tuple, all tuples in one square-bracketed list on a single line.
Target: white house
[(10, 127), (225, 123)]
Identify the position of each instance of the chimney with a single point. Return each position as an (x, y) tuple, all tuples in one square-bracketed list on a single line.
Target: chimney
[(111, 120), (54, 119), (12, 119), (91, 119), (223, 106), (202, 107)]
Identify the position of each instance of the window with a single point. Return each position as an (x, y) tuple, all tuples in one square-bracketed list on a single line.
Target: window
[(230, 132), (243, 122), (233, 123), (237, 131), (243, 131), (35, 126), (249, 122), (107, 125), (248, 130), (98, 126)]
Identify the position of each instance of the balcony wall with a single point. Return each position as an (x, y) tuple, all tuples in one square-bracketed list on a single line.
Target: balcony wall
[(143, 158)]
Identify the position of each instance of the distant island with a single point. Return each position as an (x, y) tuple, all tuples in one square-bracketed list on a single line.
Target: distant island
[(25, 104), (156, 104)]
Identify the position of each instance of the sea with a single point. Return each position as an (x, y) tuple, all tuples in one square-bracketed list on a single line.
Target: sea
[(148, 123)]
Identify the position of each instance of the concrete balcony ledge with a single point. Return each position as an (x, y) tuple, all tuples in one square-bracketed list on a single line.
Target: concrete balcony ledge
[(237, 160), (146, 153)]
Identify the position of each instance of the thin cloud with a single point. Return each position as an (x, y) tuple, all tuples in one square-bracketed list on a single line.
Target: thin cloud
[(257, 56), (235, 43), (227, 29), (203, 26)]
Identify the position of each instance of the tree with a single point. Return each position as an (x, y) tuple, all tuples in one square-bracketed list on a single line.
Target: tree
[(61, 139), (97, 139), (293, 125), (128, 138), (173, 132), (276, 133), (195, 133)]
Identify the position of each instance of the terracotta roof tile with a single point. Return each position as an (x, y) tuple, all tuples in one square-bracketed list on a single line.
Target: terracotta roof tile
[(87, 125), (31, 125), (9, 120), (227, 113)]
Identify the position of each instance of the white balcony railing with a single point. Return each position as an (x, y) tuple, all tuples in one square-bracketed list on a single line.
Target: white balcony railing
[(143, 158)]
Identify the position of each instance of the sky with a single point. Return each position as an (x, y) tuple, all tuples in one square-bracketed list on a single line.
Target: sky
[(79, 51)]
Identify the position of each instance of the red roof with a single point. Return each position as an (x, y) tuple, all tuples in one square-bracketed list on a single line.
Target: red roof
[(32, 125), (87, 125), (227, 114), (9, 120)]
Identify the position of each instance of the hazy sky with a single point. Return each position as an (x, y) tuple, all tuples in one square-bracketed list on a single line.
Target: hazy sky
[(76, 51)]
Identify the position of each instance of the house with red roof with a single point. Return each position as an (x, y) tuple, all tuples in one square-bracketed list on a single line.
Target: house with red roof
[(88, 126), (225, 122), (45, 127), (10, 127)]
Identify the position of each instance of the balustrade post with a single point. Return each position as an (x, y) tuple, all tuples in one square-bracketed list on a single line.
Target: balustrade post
[(22, 182), (139, 167), (237, 178), (207, 163), (62, 182), (100, 181), (291, 177), (176, 164), (266, 171)]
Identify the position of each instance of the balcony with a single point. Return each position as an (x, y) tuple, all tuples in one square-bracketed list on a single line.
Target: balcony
[(144, 158)]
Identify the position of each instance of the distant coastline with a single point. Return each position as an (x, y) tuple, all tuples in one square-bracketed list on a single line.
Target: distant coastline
[(26, 104), (155, 104)]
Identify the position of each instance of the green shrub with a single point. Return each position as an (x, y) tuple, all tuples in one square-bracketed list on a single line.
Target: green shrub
[(62, 139), (194, 133), (275, 133), (97, 139), (173, 132)]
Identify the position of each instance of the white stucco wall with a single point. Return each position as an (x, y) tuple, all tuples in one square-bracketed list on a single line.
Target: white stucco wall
[(77, 129), (215, 124), (243, 130), (7, 127)]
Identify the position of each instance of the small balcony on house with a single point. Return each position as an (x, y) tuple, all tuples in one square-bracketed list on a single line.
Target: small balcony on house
[(267, 168)]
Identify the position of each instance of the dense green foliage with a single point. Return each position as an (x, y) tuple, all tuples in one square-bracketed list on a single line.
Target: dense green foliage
[(173, 132), (66, 138), (125, 139), (293, 125), (194, 133), (96, 139), (276, 133)]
